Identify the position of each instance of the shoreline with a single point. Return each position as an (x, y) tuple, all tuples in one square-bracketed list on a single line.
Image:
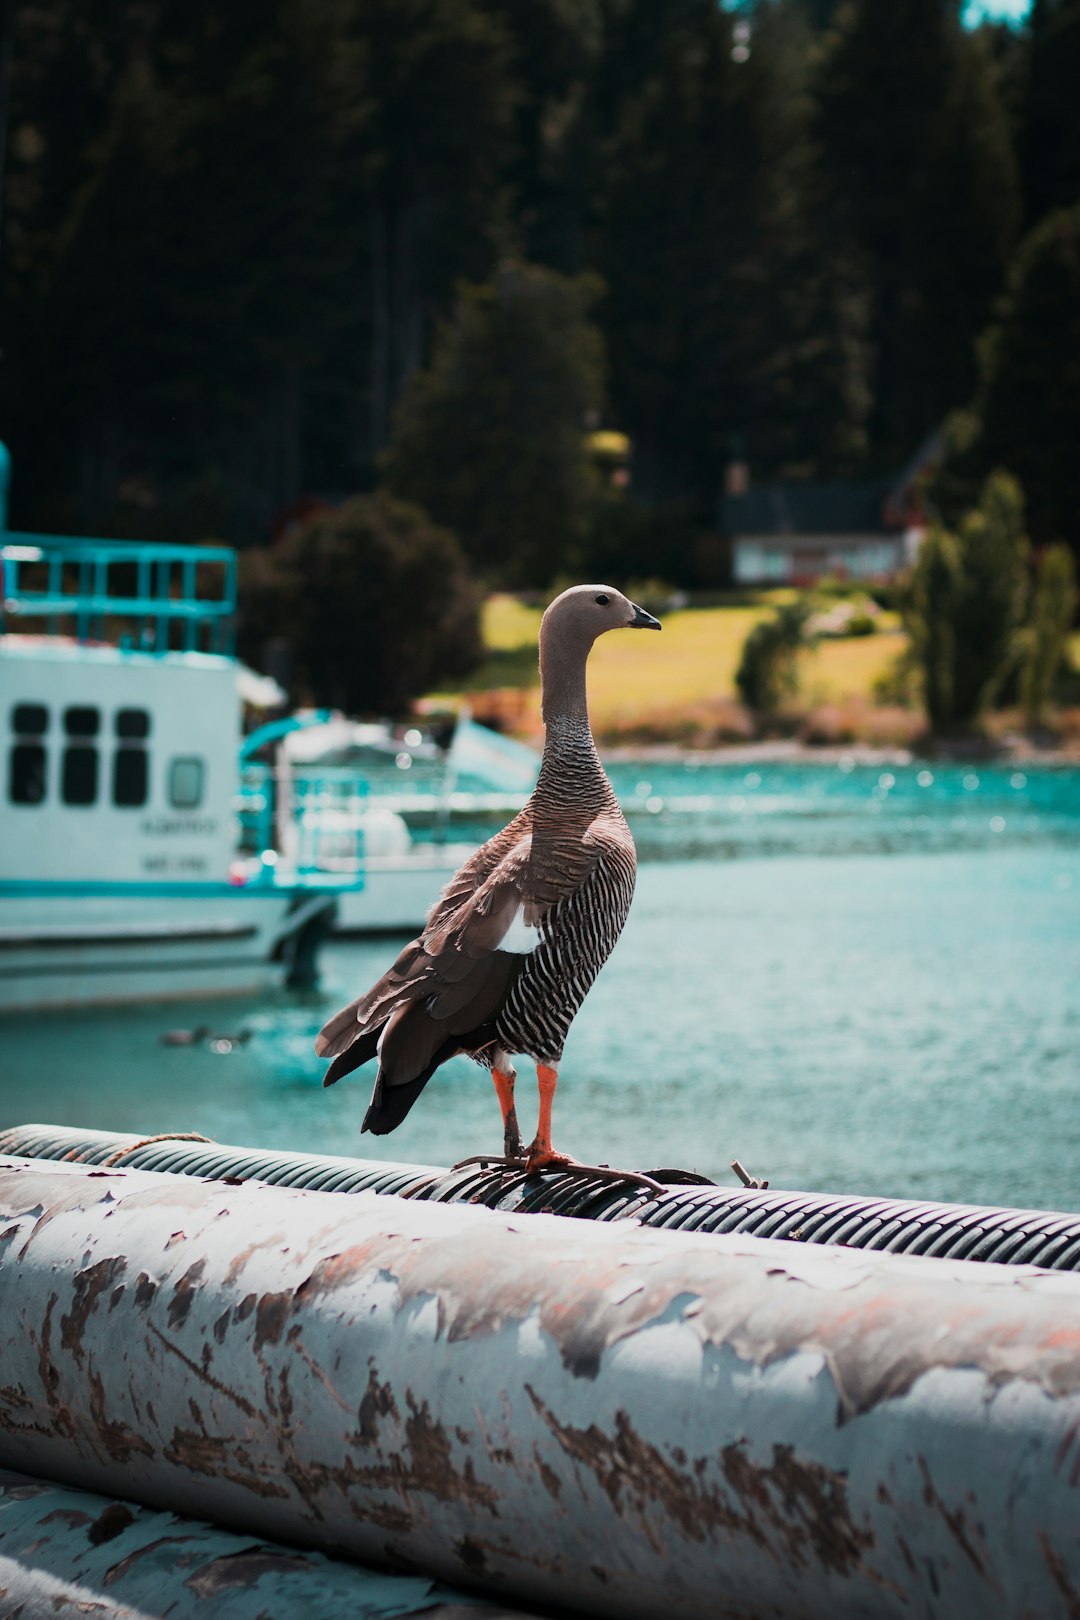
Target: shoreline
[(789, 751)]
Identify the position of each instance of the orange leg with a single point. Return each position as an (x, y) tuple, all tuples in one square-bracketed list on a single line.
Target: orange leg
[(504, 1086), (541, 1153)]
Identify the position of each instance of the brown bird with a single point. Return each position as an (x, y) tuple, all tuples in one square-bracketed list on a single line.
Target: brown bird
[(512, 947)]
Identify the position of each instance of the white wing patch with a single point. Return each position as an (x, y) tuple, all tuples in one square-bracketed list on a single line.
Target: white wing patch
[(521, 937)]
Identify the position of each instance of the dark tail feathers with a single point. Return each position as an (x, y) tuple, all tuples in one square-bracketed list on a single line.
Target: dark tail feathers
[(359, 1052), (390, 1104)]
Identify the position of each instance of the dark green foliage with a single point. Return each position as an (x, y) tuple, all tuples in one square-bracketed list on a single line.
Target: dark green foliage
[(231, 233), (555, 51), (703, 243), (1027, 409), (920, 194), (1046, 640), (993, 556), (625, 539), (438, 96), (1049, 140), (374, 601), (936, 589), (966, 604), (225, 273), (768, 668), (491, 438)]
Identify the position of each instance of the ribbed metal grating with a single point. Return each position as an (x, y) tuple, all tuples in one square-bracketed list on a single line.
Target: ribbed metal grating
[(955, 1231)]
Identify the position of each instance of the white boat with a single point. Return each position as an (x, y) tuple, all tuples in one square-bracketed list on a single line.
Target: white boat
[(349, 798), (120, 722)]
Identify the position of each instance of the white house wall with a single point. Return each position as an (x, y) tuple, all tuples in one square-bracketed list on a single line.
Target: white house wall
[(769, 560)]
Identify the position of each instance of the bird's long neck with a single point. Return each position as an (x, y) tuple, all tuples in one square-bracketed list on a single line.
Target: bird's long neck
[(562, 679), (571, 774)]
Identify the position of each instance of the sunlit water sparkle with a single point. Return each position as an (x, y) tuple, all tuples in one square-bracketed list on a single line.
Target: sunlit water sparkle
[(853, 978)]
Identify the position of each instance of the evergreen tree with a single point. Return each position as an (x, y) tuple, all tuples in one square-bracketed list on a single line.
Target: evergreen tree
[(808, 308), (491, 438), (257, 232), (1028, 404), (1047, 638), (1049, 139), (992, 601), (441, 97), (676, 250), (966, 604), (935, 590), (230, 234), (555, 48), (920, 198)]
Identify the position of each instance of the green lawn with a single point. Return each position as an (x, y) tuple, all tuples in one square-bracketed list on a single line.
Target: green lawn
[(662, 681)]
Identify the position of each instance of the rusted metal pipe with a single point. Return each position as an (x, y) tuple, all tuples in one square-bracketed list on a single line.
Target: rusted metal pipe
[(1030, 1237), (616, 1420), (65, 1551)]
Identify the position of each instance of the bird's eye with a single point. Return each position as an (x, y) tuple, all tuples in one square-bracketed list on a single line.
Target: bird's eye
[(602, 600)]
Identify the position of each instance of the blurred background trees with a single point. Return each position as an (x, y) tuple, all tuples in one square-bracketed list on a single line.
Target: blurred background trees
[(489, 437), (257, 254), (1045, 645), (768, 668), (373, 599), (968, 599), (1026, 410)]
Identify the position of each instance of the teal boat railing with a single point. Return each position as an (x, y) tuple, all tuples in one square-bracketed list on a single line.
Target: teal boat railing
[(143, 595), (274, 730), (314, 819)]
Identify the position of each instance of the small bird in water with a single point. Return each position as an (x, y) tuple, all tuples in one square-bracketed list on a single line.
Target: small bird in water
[(511, 949), (204, 1035), (184, 1037)]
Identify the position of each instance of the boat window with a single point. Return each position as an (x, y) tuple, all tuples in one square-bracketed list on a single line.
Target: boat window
[(79, 771), (186, 783), (79, 777), (30, 719), (130, 773), (132, 724), (80, 722), (130, 777), (27, 764), (26, 774)]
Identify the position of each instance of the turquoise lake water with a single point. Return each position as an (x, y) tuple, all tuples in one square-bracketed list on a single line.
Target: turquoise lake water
[(852, 978)]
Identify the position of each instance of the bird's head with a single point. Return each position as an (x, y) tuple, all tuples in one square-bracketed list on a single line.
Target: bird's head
[(579, 615), (567, 632)]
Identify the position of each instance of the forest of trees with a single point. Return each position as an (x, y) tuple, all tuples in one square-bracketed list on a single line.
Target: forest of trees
[(256, 254)]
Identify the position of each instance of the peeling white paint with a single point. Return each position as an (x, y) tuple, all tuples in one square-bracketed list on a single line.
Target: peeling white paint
[(625, 1421)]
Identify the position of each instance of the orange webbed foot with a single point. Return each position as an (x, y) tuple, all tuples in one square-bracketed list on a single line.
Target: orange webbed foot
[(545, 1158)]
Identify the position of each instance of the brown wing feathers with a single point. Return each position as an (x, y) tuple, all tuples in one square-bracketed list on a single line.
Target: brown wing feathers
[(418, 1036), (443, 988)]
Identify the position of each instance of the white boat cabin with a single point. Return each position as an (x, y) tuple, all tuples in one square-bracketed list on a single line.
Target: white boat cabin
[(119, 766), (120, 723)]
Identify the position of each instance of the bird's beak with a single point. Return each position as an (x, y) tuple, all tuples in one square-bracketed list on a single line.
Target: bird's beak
[(643, 620)]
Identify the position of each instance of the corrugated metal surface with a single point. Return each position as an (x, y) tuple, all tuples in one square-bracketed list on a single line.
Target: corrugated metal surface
[(947, 1231), (622, 1421)]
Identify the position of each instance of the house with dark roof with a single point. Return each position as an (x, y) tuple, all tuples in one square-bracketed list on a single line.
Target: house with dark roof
[(796, 533)]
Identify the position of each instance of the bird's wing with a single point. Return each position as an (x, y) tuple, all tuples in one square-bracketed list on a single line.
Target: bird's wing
[(455, 985), (472, 921), (478, 868), (439, 970), (447, 977)]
